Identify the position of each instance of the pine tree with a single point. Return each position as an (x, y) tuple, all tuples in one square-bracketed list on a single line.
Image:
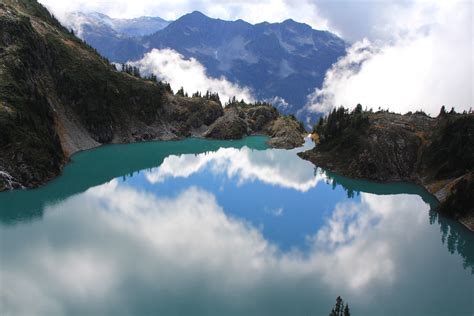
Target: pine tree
[(442, 112), (346, 311), (340, 309), (358, 109), (180, 92)]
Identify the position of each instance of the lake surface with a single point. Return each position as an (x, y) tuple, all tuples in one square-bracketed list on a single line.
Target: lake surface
[(201, 227)]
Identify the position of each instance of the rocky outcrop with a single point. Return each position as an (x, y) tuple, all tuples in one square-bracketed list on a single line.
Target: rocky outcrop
[(286, 132), (233, 125), (240, 121), (437, 153), (58, 96)]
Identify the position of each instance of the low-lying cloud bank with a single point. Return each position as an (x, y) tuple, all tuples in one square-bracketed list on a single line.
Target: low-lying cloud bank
[(170, 66), (430, 66)]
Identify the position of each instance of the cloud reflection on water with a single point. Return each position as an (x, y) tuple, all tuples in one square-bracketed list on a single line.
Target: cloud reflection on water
[(117, 249), (276, 167)]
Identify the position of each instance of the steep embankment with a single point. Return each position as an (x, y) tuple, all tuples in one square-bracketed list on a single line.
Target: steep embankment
[(58, 96), (437, 153)]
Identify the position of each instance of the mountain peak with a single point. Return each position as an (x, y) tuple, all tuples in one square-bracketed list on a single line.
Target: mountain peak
[(195, 15), (290, 21)]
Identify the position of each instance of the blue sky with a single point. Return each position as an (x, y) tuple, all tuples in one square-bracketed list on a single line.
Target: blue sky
[(352, 19), (415, 54)]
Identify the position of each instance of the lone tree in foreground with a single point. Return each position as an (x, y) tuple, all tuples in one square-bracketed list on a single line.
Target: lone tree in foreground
[(340, 309)]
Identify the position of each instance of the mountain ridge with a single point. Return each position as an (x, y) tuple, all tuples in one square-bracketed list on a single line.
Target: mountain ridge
[(285, 60), (58, 96), (436, 153)]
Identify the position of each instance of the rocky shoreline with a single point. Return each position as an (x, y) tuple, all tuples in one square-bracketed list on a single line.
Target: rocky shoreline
[(58, 96), (235, 122), (435, 153)]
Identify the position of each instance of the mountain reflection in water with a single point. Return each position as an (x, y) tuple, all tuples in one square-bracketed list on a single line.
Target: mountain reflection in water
[(218, 228)]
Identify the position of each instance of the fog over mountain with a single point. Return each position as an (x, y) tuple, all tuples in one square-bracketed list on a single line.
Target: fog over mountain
[(425, 59), (141, 26), (280, 62), (117, 39)]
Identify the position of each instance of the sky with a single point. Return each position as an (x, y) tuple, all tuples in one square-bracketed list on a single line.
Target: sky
[(405, 54)]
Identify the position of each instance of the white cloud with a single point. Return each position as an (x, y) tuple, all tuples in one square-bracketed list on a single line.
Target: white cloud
[(429, 66), (248, 10), (277, 212), (352, 19), (124, 251), (416, 56), (276, 167), (172, 67)]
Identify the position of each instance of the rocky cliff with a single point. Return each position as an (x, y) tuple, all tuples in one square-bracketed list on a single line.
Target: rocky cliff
[(437, 153), (58, 96)]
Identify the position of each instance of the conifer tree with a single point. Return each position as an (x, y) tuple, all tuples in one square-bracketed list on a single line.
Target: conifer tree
[(340, 309), (346, 311), (180, 92), (442, 112)]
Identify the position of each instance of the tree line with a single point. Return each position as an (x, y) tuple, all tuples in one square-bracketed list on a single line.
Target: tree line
[(338, 120)]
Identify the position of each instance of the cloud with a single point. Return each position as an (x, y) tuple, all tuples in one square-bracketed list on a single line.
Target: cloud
[(248, 10), (124, 251), (276, 167), (423, 68), (351, 19), (415, 57), (170, 66), (375, 19), (277, 212)]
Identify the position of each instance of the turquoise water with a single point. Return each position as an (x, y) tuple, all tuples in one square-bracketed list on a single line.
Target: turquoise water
[(201, 227)]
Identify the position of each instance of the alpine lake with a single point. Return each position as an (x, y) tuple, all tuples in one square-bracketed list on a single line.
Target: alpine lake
[(205, 227)]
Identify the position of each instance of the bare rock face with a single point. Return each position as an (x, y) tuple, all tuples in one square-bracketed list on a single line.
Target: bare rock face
[(232, 125), (7, 182), (286, 133), (241, 121), (58, 96), (387, 155)]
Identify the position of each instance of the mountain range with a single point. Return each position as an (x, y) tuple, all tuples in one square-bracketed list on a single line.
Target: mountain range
[(117, 39), (58, 97), (281, 62)]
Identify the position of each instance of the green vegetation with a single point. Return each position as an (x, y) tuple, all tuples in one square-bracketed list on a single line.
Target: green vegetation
[(181, 93), (451, 152), (456, 240), (341, 125), (340, 309), (211, 96), (234, 103), (460, 202), (451, 155), (57, 93), (437, 153), (45, 71), (131, 70)]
